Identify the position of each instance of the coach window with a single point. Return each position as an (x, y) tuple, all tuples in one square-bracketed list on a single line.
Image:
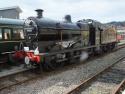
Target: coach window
[(0, 33), (7, 34), (18, 34)]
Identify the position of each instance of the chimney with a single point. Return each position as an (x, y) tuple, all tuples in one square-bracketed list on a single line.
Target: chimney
[(68, 18), (39, 13)]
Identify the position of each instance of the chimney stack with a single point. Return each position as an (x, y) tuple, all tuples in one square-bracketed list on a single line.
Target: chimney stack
[(39, 13), (68, 18)]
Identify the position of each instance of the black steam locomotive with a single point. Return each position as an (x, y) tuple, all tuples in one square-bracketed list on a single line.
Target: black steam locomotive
[(50, 43)]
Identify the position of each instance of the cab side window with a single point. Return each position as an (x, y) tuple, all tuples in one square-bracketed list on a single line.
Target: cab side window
[(18, 34), (1, 34), (7, 34)]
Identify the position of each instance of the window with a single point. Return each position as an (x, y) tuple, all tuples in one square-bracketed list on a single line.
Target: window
[(0, 33), (18, 34), (7, 34)]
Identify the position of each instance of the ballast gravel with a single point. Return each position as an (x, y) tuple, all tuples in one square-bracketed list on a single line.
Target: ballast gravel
[(108, 81), (64, 81)]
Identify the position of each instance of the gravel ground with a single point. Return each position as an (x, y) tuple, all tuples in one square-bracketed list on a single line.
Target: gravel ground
[(62, 82), (106, 83)]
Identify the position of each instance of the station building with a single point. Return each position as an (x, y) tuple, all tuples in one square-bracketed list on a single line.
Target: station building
[(10, 12)]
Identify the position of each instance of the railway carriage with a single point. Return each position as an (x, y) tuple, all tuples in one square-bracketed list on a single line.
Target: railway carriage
[(11, 34)]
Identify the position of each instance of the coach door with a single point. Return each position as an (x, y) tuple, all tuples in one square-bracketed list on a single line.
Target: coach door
[(1, 39), (7, 38)]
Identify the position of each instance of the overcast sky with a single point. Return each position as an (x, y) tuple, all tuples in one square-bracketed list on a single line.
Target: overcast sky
[(101, 10)]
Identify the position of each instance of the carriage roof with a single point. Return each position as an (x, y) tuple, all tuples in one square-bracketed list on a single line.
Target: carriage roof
[(13, 22)]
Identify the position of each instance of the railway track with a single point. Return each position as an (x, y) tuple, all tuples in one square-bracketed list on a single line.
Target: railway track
[(112, 74), (15, 78), (119, 88), (22, 77)]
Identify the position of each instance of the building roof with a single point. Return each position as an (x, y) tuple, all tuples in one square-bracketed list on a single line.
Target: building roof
[(14, 7)]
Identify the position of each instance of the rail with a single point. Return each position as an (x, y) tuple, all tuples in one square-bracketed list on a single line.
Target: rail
[(86, 82)]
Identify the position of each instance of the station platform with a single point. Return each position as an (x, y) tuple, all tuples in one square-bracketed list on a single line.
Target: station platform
[(12, 70)]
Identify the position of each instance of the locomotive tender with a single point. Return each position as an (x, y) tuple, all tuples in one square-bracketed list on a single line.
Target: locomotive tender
[(49, 43)]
